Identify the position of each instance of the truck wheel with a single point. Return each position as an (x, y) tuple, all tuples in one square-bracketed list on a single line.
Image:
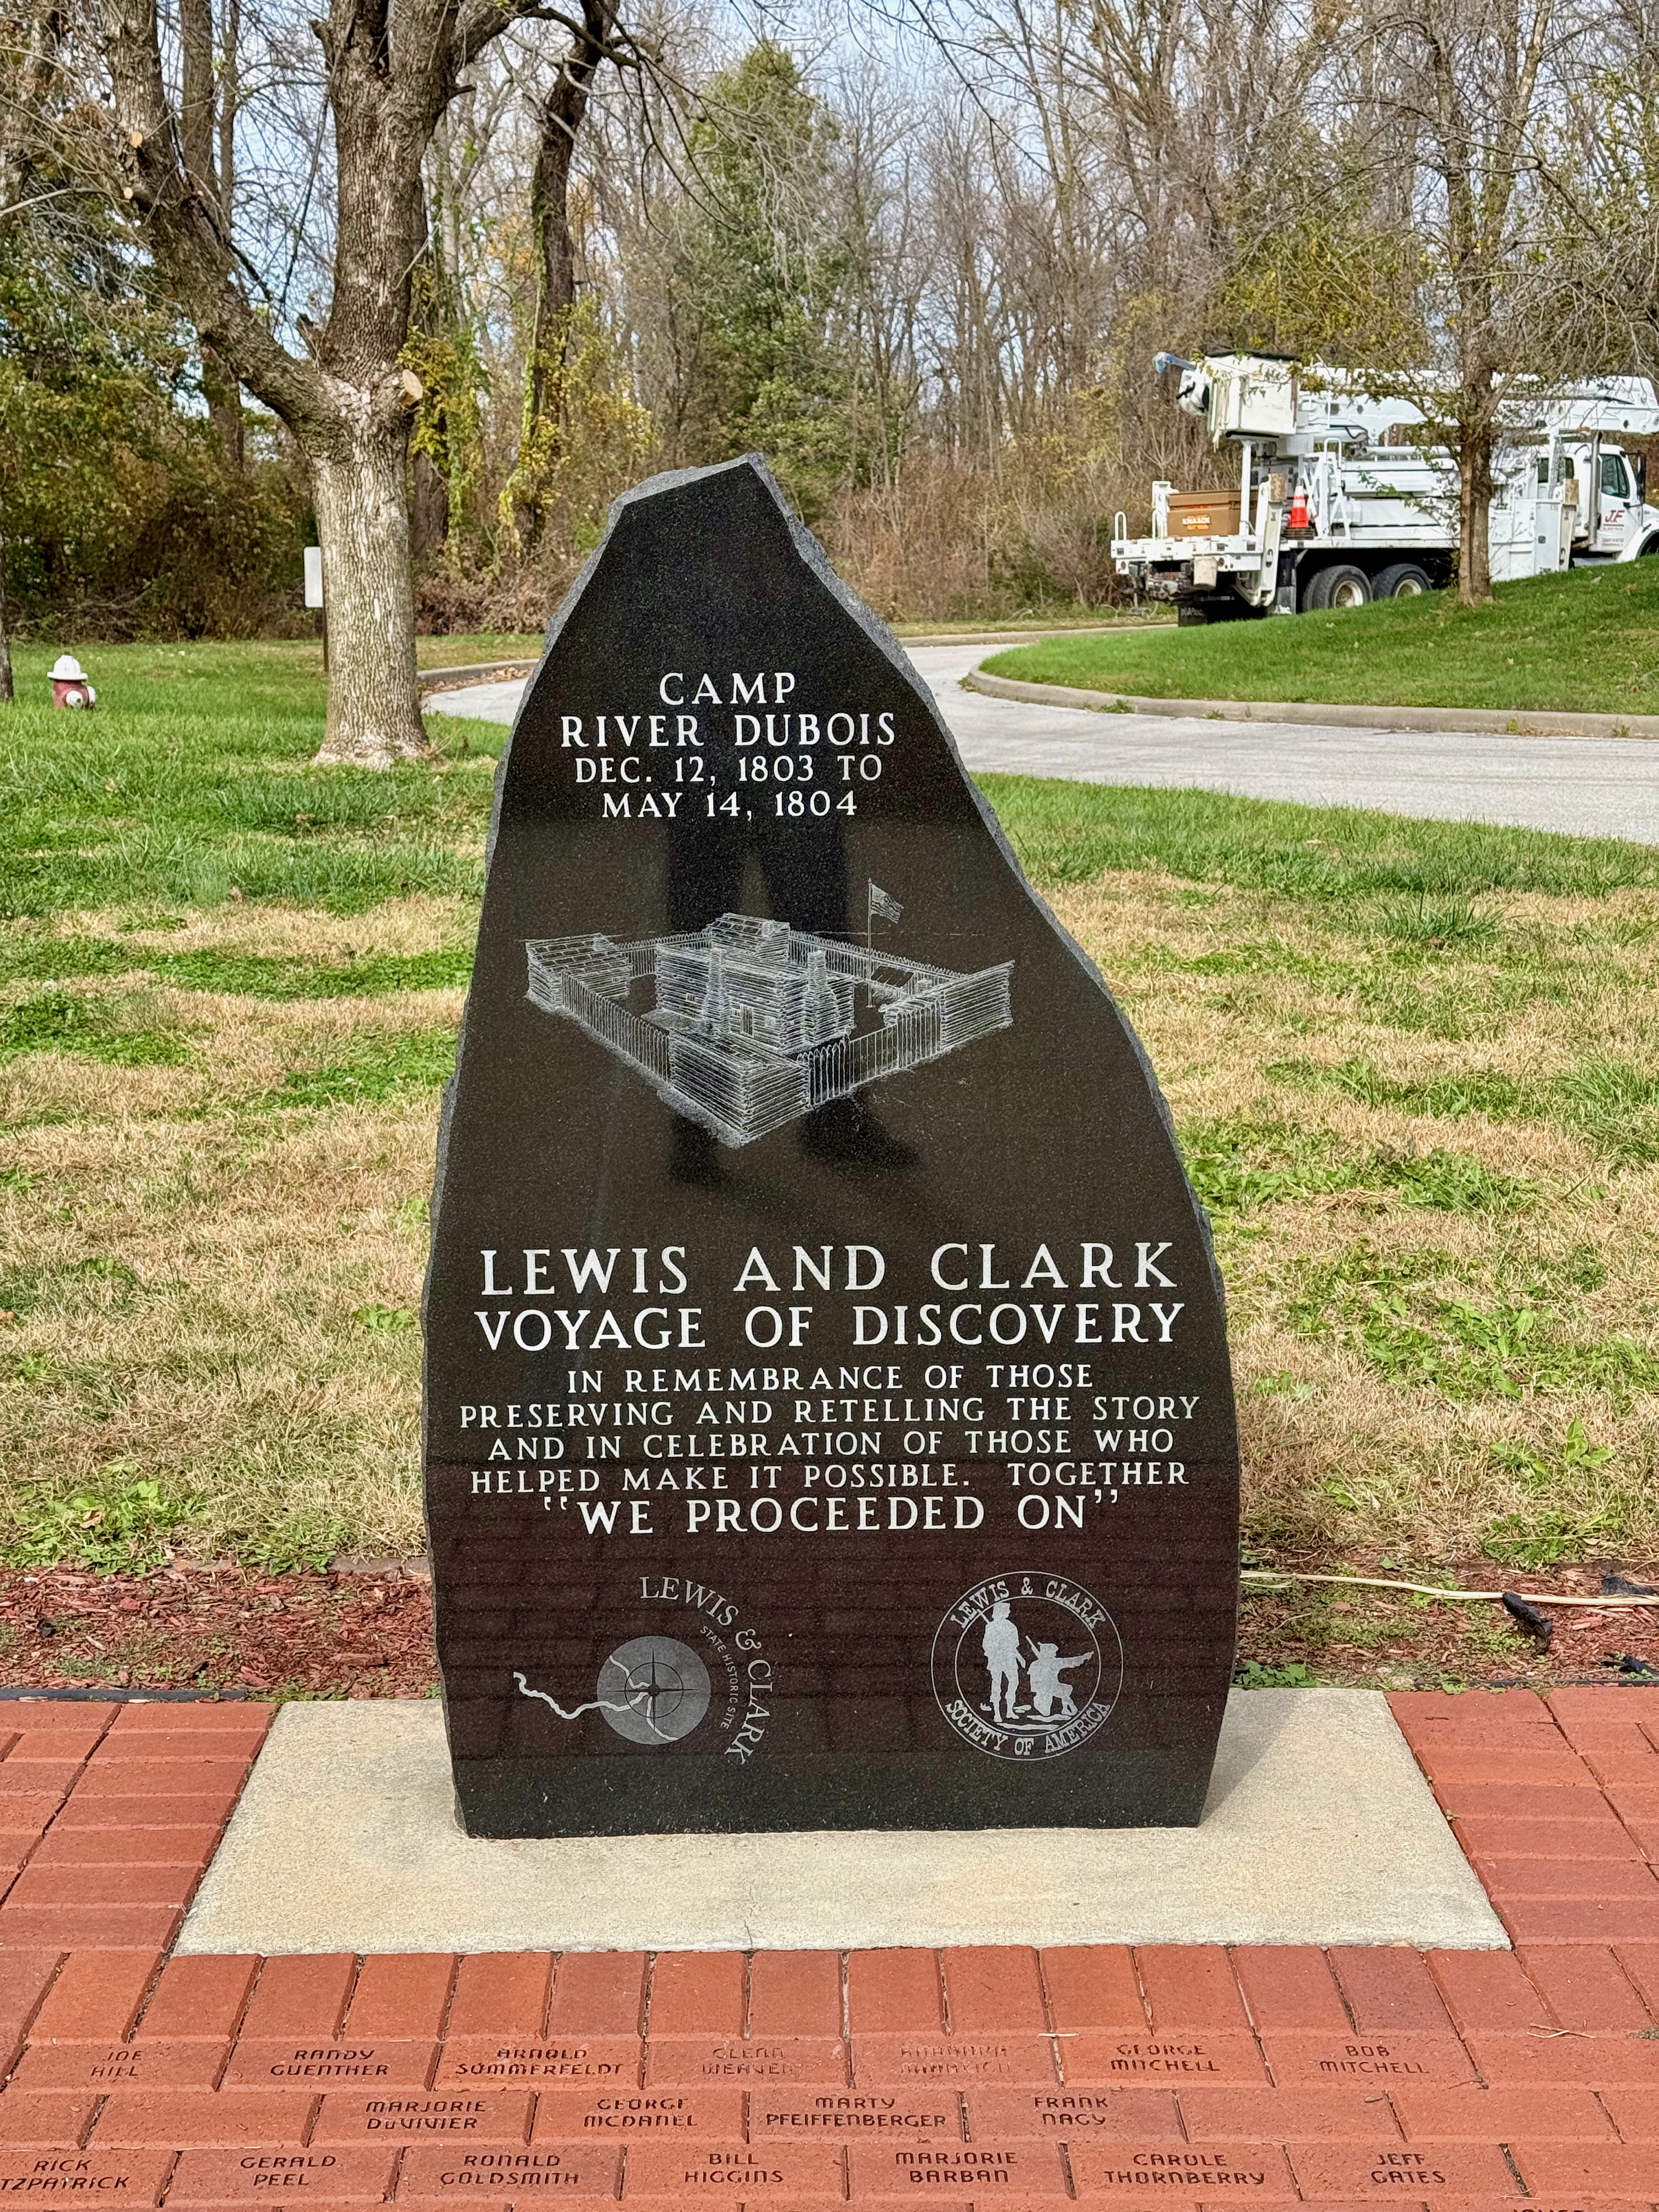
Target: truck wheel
[(1338, 587), (1190, 615), (1402, 579)]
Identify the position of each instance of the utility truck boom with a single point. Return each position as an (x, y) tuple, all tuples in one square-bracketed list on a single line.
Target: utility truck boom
[(1341, 498)]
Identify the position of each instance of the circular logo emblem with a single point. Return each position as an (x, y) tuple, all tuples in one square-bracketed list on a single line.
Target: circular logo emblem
[(1027, 1666), (653, 1689)]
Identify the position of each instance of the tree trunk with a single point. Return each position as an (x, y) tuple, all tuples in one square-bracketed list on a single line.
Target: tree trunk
[(1474, 515), (7, 693), (429, 506), (561, 115), (362, 499), (198, 142)]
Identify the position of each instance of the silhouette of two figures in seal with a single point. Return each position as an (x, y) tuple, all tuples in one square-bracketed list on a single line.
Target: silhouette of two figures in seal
[(1044, 1670)]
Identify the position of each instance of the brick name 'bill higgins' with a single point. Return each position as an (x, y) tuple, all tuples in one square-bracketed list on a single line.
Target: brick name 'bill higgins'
[(754, 1023)]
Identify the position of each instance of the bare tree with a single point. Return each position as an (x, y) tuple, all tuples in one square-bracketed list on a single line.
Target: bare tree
[(1470, 78), (207, 140), (389, 68), (30, 39), (559, 118)]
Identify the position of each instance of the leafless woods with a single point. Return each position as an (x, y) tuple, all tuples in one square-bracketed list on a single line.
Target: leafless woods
[(478, 263)]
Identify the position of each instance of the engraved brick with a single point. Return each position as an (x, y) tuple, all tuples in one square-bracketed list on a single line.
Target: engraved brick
[(1167, 2059), (689, 2114), (945, 2059), (1396, 2169), (956, 2172), (151, 2065), (760, 2058), (245, 2177), (1378, 2060), (1237, 2174), (340, 2064), (843, 2115), (517, 2174), (1069, 2114), (105, 2176), (735, 2173), (487, 2059), (486, 2117)]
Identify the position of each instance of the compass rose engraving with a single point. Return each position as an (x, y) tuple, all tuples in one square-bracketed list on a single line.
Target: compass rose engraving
[(653, 1689)]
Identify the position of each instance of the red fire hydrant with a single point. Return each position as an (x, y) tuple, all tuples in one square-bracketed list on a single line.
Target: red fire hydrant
[(69, 687)]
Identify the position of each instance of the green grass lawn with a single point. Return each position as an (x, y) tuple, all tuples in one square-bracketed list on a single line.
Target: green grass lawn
[(1411, 1065), (1588, 641)]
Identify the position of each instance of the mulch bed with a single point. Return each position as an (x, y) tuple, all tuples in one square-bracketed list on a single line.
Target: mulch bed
[(359, 1633), (1394, 1639), (219, 1628)]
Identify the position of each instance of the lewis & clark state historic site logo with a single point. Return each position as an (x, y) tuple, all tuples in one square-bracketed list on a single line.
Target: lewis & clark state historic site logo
[(1027, 1666), (658, 1688)]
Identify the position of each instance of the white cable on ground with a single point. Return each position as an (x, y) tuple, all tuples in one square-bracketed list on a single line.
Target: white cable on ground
[(1430, 1589)]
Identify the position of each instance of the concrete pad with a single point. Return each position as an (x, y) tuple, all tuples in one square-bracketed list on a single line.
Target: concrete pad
[(1320, 1829)]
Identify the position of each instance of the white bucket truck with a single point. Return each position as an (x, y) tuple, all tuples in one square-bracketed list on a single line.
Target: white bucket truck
[(1337, 502)]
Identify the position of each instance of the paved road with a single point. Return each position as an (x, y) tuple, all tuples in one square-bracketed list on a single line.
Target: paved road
[(1591, 786)]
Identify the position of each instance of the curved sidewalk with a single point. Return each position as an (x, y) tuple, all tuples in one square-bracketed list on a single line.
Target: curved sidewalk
[(1589, 787)]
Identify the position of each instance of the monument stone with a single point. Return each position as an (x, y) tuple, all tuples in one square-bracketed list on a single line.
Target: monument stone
[(828, 1422)]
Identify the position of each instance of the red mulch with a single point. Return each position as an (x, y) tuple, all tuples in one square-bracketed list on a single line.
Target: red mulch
[(1393, 1635), (218, 1628), (368, 1634)]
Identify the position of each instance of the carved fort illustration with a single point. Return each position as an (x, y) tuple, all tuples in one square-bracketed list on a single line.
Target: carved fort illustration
[(754, 1023)]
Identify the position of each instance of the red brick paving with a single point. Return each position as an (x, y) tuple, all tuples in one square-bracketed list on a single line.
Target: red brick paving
[(1520, 2080)]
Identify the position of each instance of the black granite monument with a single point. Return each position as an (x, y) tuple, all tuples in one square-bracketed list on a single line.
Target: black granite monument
[(828, 1422)]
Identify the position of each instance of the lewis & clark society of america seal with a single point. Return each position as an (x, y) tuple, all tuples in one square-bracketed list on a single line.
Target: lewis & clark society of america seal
[(1027, 1666)]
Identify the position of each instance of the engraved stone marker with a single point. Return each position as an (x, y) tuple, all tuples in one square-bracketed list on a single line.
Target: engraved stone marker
[(828, 1422)]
